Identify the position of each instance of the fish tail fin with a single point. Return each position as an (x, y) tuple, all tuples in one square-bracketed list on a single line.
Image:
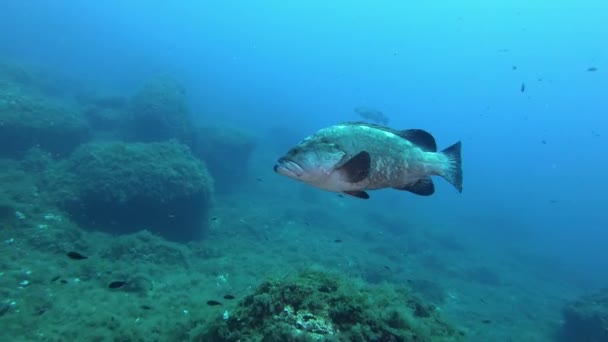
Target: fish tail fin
[(453, 169)]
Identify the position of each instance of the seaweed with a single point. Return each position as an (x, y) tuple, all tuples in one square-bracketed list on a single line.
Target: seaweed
[(125, 187), (318, 305)]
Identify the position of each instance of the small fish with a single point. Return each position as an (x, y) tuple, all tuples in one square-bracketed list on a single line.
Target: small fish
[(213, 303), (214, 218), (353, 157), (117, 284), (63, 281), (55, 278), (146, 307), (372, 114), (523, 87), (76, 256), (544, 142), (229, 297), (486, 321), (514, 67), (337, 241), (592, 69), (553, 201), (259, 179), (4, 308)]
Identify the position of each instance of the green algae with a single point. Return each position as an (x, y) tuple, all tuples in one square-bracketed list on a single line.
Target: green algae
[(29, 119), (586, 319), (323, 306), (159, 111), (131, 186), (227, 151)]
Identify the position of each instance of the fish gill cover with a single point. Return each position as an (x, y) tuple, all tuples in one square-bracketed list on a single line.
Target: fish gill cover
[(138, 200)]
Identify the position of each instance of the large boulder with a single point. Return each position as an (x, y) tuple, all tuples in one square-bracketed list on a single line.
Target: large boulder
[(227, 151), (29, 119), (586, 319), (127, 187), (19, 194), (317, 306), (37, 78), (159, 111), (106, 113)]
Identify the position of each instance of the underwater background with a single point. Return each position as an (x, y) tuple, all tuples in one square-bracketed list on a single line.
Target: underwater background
[(138, 200)]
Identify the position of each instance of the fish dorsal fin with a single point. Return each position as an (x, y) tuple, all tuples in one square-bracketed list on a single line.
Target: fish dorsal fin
[(368, 124), (420, 138), (356, 168), (423, 187)]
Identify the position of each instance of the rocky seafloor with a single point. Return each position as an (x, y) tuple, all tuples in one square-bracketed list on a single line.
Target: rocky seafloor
[(127, 218)]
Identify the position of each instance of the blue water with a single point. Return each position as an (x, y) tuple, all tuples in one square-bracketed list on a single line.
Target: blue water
[(534, 162)]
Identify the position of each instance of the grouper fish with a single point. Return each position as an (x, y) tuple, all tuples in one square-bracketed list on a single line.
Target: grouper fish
[(354, 157), (372, 114)]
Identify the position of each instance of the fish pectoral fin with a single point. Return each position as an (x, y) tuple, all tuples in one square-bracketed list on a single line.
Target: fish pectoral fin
[(423, 187), (358, 194), (356, 168)]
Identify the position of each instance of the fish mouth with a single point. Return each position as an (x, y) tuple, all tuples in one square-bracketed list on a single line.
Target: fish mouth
[(288, 168)]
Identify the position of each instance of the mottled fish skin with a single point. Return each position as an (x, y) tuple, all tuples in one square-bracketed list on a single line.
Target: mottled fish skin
[(395, 161), (355, 156)]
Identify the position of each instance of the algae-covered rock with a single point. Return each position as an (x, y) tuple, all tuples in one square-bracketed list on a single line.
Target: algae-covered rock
[(29, 119), (227, 151), (319, 306), (127, 187), (6, 206), (144, 247), (586, 319), (106, 116), (36, 160), (159, 111), (106, 112), (19, 191), (18, 73), (37, 78)]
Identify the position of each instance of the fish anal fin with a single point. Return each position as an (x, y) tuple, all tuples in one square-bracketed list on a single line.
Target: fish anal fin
[(356, 168), (359, 194), (423, 187)]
